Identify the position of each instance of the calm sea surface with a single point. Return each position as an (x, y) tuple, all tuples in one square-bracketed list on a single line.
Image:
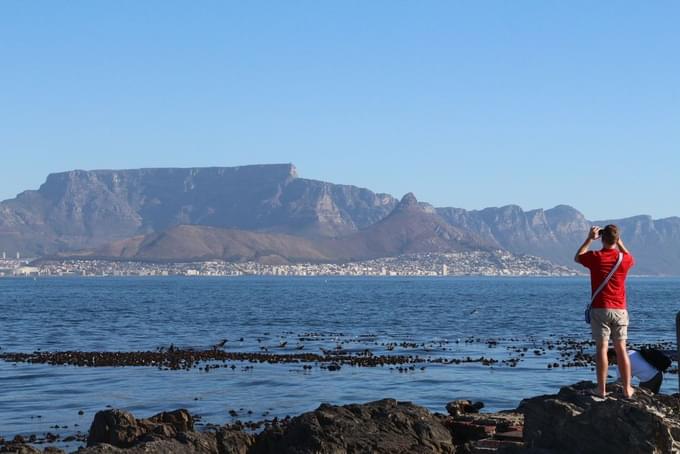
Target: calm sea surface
[(437, 317)]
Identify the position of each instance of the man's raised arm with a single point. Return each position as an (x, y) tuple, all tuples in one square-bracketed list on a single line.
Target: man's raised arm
[(592, 234), (622, 247)]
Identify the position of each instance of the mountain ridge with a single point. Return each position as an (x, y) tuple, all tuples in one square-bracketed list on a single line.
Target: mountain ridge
[(85, 210)]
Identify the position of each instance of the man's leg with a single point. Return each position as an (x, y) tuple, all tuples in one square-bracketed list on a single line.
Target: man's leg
[(624, 366), (601, 332), (602, 365)]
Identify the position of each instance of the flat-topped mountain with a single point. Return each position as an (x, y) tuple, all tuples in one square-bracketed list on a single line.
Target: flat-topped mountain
[(81, 209)]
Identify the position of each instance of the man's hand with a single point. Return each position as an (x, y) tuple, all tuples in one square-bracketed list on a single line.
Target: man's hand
[(594, 233)]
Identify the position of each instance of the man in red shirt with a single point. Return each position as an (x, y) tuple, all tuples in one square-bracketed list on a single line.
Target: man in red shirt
[(608, 314)]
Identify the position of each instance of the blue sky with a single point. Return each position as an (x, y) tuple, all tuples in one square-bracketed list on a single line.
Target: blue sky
[(465, 103)]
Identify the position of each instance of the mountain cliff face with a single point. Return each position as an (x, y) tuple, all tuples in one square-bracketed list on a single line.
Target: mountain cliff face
[(82, 209), (554, 234)]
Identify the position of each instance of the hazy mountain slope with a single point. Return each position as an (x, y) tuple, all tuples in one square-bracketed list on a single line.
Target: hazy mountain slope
[(408, 229), (557, 233), (78, 209), (554, 234), (193, 242)]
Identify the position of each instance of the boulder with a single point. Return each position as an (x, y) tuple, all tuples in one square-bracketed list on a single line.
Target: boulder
[(574, 420), (384, 426), (180, 420), (233, 441), (121, 429), (115, 427), (117, 431)]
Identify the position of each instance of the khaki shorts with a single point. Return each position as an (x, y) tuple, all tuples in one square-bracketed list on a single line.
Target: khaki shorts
[(606, 323)]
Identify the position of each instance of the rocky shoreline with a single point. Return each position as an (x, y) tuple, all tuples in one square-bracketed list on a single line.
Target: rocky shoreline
[(573, 420)]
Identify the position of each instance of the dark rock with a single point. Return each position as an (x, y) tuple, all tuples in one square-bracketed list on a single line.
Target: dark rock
[(154, 432), (187, 443), (18, 448), (181, 420), (233, 441), (115, 427), (466, 431), (384, 426), (575, 421), (116, 431), (516, 449), (334, 367), (474, 432), (53, 450), (460, 407)]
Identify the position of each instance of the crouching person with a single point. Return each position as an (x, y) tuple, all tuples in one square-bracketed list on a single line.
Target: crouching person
[(647, 365)]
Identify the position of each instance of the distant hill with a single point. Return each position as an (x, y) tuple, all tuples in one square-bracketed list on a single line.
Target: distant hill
[(410, 228), (195, 243), (269, 213)]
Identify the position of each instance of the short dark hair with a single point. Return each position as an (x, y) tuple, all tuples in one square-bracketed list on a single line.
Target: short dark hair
[(610, 234)]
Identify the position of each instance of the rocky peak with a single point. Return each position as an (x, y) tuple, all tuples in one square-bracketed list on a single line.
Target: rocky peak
[(565, 212), (408, 202)]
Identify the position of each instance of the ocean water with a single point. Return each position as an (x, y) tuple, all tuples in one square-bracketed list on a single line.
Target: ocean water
[(430, 317)]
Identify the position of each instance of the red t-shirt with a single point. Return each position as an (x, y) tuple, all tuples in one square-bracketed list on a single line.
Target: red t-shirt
[(600, 264)]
